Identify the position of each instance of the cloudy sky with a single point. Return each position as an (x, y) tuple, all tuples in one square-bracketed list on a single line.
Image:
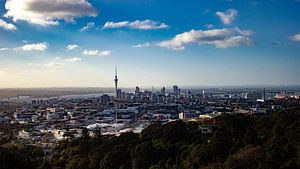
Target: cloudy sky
[(77, 43)]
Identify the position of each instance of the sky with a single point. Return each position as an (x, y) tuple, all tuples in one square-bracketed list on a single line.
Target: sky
[(78, 43)]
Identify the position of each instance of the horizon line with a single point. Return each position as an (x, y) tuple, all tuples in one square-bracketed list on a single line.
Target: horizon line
[(167, 86)]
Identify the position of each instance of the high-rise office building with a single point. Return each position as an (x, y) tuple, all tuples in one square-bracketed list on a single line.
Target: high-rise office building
[(137, 91), (163, 91), (175, 90), (105, 99), (264, 94), (119, 93)]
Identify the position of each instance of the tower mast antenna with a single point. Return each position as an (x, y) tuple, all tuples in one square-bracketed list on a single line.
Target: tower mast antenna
[(116, 88), (116, 79)]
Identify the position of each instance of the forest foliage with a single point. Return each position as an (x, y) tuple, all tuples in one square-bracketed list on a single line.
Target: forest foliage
[(242, 141)]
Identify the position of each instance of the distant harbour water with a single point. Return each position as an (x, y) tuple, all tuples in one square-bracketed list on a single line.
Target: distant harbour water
[(84, 95), (68, 96)]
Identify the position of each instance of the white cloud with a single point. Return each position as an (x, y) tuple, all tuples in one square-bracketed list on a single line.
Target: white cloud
[(243, 32), (295, 37), (147, 44), (114, 25), (96, 52), (89, 25), (35, 46), (46, 12), (4, 49), (72, 47), (147, 25), (228, 16), (54, 65), (233, 42), (220, 38), (105, 53), (142, 25), (90, 52), (74, 59), (7, 26)]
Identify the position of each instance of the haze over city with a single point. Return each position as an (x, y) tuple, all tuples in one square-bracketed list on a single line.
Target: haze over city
[(154, 43)]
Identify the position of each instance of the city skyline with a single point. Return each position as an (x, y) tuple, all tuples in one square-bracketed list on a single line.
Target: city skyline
[(209, 43)]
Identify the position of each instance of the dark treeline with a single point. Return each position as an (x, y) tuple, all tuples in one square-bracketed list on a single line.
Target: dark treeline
[(240, 142)]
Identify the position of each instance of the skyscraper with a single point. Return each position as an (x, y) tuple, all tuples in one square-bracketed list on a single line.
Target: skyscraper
[(105, 99), (119, 93), (264, 94), (175, 90), (137, 91), (163, 91), (116, 80)]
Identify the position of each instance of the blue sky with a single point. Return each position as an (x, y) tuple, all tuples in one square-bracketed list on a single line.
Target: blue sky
[(77, 43)]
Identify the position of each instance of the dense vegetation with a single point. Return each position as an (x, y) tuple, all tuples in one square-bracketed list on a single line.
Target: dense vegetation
[(241, 142)]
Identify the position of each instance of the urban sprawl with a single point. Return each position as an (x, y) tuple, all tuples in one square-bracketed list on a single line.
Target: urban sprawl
[(45, 122)]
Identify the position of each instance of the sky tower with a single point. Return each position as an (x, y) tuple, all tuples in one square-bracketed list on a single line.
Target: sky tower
[(116, 80)]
